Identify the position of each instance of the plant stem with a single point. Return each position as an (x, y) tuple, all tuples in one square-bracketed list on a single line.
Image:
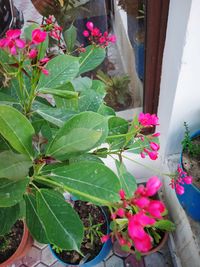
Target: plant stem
[(148, 167)]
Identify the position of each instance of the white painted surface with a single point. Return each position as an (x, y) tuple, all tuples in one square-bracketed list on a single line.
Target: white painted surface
[(180, 96), (180, 101)]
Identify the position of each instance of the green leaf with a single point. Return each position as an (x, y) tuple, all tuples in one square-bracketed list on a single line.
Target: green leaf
[(6, 99), (85, 157), (82, 84), (63, 226), (62, 69), (11, 191), (16, 129), (56, 116), (127, 180), (14, 166), (91, 59), (90, 100), (105, 110), (8, 216), (70, 36), (33, 221), (117, 126), (165, 225), (79, 135), (90, 181)]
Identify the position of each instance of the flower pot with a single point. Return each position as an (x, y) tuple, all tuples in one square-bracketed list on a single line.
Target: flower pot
[(23, 248), (191, 198), (159, 246), (102, 254)]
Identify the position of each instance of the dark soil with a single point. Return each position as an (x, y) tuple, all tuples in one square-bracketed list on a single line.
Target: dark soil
[(87, 248), (10, 242), (192, 165)]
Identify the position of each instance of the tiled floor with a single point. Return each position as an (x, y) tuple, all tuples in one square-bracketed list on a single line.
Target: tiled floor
[(41, 256)]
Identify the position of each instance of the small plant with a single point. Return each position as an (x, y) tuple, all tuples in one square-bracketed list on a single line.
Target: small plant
[(4, 243), (93, 230), (188, 143)]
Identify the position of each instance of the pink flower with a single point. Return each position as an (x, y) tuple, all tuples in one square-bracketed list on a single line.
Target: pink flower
[(141, 190), (95, 32), (156, 208), (86, 33), (105, 238), (179, 189), (156, 134), (122, 241), (153, 185), (142, 219), (148, 120), (154, 146), (12, 41), (38, 36), (13, 34), (55, 34), (102, 40), (112, 38), (143, 244), (45, 71), (142, 202), (142, 155), (32, 53), (153, 155), (90, 25), (44, 60), (187, 179), (120, 212), (122, 194)]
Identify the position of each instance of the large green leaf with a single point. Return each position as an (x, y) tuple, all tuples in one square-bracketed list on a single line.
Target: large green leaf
[(105, 110), (92, 58), (14, 166), (56, 116), (62, 224), (117, 126), (8, 217), (82, 84), (61, 69), (90, 181), (11, 191), (16, 129), (78, 135), (127, 180), (165, 225), (90, 100), (33, 221), (7, 99), (70, 36)]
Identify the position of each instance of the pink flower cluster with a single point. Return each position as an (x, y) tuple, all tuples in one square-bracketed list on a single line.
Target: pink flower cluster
[(180, 179), (95, 36), (52, 27), (141, 212), (148, 120), (12, 41)]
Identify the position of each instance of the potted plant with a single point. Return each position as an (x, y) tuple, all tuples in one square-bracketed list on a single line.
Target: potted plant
[(189, 168), (92, 250), (53, 121)]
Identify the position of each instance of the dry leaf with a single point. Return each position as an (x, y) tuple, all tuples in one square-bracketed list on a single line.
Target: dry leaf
[(61, 2)]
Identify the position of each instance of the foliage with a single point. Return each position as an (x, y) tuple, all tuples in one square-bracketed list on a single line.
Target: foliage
[(54, 130), (189, 144)]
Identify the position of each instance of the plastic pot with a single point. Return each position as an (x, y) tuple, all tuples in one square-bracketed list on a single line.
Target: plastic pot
[(22, 250), (190, 200), (102, 254)]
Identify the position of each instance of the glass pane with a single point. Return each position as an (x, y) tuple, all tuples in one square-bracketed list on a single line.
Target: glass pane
[(123, 68)]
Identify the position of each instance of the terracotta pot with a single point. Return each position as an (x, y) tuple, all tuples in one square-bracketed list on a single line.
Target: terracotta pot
[(22, 250), (159, 246)]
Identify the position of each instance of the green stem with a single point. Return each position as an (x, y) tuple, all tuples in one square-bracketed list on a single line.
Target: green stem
[(72, 190), (148, 167)]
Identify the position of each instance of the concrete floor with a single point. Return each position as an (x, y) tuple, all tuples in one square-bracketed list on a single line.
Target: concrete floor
[(41, 256)]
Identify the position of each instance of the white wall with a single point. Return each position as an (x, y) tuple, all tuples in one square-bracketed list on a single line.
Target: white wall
[(180, 82)]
